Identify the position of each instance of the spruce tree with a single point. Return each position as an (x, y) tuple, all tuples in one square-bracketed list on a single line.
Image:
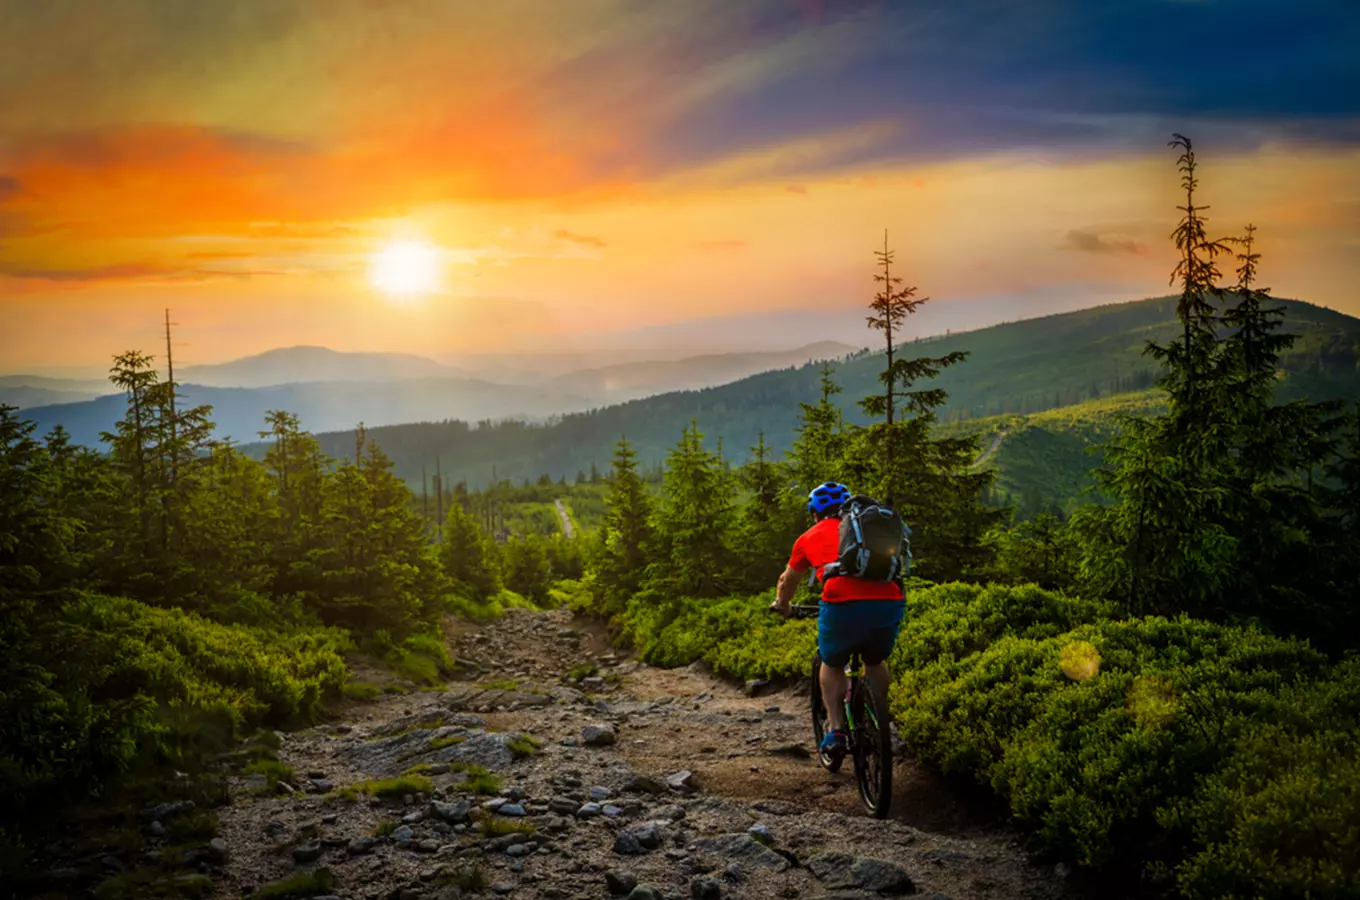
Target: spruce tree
[(625, 534), (527, 570), (771, 519), (471, 559), (819, 446), (693, 522), (898, 460)]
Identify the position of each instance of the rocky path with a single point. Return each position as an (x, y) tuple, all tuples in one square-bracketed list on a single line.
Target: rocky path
[(606, 778)]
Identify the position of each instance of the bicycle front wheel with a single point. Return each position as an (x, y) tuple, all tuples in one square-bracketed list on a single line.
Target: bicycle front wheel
[(820, 721), (873, 749)]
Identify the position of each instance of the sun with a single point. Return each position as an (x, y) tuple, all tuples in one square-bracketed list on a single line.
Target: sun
[(404, 269)]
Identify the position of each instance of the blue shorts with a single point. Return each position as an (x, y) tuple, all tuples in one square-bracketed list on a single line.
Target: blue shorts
[(868, 627)]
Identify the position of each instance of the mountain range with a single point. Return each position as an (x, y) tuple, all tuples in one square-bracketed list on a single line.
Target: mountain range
[(331, 390), (1015, 369)]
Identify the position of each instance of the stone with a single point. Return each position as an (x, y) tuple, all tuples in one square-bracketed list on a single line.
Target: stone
[(642, 892), (627, 844), (742, 850), (841, 870), (361, 846), (600, 794), (427, 846), (156, 829), (612, 812), (883, 877), (682, 781), (599, 735), (519, 850), (588, 811), (218, 850), (673, 813), (502, 887), (257, 782), (705, 889), (494, 804), (403, 833), (592, 683), (753, 687), (330, 818), (761, 832), (320, 786), (438, 769), (413, 818), (283, 789), (455, 813), (308, 852), (563, 806), (514, 810), (165, 811)]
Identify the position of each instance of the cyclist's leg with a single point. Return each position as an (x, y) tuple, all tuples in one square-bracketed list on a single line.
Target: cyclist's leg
[(834, 643), (884, 618)]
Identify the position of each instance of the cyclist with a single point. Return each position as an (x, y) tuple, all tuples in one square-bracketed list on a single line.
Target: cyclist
[(856, 614)]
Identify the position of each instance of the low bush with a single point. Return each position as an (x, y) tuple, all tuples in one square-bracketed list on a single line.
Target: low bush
[(386, 788), (360, 690), (302, 884), (496, 826)]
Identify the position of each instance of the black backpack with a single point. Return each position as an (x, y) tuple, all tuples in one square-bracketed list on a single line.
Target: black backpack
[(875, 544)]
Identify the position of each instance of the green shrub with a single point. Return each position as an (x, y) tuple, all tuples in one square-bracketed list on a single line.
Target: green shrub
[(198, 826), (387, 788), (384, 828), (272, 769), (585, 670), (448, 740), (479, 780), (524, 745), (303, 884), (496, 826), (360, 690)]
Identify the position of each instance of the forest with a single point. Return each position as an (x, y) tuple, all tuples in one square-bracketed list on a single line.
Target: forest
[(1162, 685)]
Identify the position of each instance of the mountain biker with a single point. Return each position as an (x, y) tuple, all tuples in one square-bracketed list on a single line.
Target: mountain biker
[(857, 615)]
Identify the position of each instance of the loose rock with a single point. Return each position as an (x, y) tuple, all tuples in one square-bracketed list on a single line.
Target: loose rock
[(599, 735), (620, 883), (309, 852)]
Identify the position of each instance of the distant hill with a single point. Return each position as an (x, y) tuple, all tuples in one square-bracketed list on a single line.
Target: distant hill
[(25, 391), (294, 365), (629, 381), (327, 406), (1016, 368)]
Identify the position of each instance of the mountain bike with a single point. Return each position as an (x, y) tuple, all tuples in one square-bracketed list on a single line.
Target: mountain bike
[(869, 741)]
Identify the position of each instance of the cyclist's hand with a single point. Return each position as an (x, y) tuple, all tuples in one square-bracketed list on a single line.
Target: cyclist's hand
[(784, 609)]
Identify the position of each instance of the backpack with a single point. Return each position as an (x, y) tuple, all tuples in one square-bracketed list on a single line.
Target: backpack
[(875, 544)]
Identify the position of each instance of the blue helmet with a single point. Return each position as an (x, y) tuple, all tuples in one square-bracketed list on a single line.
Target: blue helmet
[(827, 497)]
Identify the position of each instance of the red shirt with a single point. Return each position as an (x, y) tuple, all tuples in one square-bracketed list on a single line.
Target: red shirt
[(820, 545)]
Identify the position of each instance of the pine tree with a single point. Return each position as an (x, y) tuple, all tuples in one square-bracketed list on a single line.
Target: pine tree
[(470, 557), (770, 519), (625, 534), (693, 523), (898, 460), (818, 453), (527, 571)]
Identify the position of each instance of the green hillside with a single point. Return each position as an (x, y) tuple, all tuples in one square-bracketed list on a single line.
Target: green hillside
[(1016, 368)]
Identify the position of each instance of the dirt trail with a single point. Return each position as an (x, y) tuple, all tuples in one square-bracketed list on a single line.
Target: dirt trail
[(758, 819), (987, 454), (567, 528)]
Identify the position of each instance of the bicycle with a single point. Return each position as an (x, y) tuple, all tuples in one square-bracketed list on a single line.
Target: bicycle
[(869, 740)]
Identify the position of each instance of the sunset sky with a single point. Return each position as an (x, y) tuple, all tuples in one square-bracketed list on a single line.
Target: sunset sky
[(580, 169)]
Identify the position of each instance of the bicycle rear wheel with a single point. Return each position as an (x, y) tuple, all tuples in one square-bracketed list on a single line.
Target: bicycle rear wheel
[(819, 717), (873, 749)]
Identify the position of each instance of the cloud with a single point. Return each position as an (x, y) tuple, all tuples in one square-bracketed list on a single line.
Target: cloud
[(1091, 241), (131, 271), (9, 187), (586, 239), (796, 189)]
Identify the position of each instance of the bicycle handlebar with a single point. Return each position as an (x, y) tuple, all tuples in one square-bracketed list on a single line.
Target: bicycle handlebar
[(805, 610)]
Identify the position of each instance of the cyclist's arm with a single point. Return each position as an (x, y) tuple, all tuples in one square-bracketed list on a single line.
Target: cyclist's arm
[(788, 586)]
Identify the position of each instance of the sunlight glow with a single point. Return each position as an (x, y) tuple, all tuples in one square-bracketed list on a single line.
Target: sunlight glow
[(405, 269)]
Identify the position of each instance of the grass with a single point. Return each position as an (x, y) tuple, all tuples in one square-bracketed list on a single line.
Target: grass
[(199, 826), (151, 883), (386, 788), (448, 740), (385, 827), (583, 671), (360, 690), (524, 745), (470, 878), (303, 884), (493, 826), (502, 684), (480, 781), (272, 769)]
